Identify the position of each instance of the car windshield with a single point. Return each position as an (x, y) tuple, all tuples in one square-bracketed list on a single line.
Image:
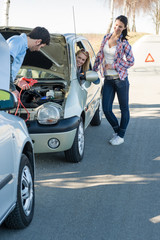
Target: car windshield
[(36, 73)]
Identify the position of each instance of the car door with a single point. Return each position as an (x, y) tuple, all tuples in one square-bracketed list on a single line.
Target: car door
[(93, 90), (6, 163)]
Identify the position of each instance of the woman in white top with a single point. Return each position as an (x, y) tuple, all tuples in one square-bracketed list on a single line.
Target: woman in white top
[(116, 57)]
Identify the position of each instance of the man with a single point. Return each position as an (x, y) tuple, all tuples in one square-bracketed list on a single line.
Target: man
[(18, 45)]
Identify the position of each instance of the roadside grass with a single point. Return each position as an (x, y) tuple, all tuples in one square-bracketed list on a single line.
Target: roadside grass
[(96, 39)]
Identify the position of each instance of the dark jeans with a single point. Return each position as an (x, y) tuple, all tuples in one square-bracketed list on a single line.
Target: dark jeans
[(122, 89)]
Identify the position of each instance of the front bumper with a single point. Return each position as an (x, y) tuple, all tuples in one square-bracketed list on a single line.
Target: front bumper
[(64, 131)]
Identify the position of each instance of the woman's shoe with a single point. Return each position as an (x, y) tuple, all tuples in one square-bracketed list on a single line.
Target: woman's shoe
[(117, 140), (114, 136)]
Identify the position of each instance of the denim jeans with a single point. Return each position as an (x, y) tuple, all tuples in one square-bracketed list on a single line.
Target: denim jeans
[(121, 87)]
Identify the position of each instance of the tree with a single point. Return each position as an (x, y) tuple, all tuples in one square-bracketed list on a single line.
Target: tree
[(7, 5), (124, 7), (113, 4), (151, 6), (111, 16), (131, 8), (155, 14), (134, 3)]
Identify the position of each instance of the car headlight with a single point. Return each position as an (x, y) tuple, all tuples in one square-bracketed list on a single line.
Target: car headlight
[(48, 114)]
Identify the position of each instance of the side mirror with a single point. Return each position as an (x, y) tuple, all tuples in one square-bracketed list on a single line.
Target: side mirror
[(7, 100), (92, 76)]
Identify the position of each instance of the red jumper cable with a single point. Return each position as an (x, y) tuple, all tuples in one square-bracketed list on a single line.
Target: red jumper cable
[(30, 80), (31, 83)]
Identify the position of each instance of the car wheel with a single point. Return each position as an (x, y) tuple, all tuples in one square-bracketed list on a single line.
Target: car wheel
[(23, 213), (75, 154), (97, 118)]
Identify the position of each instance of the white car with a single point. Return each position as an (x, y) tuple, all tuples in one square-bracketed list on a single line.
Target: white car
[(16, 159), (60, 105)]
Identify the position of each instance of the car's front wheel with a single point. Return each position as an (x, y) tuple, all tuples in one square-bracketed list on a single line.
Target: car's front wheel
[(75, 154), (23, 213)]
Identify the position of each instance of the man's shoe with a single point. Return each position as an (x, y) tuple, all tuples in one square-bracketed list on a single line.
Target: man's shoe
[(117, 141), (114, 136)]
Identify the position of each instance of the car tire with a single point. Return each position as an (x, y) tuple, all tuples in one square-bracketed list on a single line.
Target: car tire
[(97, 118), (22, 215), (76, 153)]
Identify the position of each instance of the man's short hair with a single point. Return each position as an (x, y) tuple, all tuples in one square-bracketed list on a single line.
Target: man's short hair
[(40, 33)]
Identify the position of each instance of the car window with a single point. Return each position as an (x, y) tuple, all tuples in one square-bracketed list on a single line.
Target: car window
[(79, 45), (81, 76), (90, 50)]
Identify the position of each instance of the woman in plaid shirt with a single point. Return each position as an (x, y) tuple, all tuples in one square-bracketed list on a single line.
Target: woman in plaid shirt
[(116, 57)]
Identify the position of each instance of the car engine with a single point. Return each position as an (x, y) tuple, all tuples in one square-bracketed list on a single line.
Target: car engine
[(40, 94)]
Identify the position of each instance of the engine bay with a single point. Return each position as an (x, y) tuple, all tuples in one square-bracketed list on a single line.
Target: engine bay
[(43, 92)]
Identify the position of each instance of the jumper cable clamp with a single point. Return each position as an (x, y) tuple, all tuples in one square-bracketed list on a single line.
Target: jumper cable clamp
[(30, 81)]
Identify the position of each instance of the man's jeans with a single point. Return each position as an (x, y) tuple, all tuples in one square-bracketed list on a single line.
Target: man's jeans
[(121, 87)]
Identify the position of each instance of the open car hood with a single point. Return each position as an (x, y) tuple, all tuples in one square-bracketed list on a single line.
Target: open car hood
[(53, 58), (57, 52)]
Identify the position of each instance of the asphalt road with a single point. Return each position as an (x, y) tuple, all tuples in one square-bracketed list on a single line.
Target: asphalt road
[(114, 193)]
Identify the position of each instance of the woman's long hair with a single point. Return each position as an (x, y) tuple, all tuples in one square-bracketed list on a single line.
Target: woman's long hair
[(124, 20), (85, 66)]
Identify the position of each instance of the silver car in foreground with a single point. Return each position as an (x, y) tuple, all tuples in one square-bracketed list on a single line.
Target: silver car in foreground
[(17, 168), (16, 159), (60, 105)]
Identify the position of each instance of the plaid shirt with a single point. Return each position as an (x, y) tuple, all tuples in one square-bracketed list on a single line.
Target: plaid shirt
[(120, 64)]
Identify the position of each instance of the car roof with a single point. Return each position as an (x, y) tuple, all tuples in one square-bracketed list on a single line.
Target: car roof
[(73, 36)]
